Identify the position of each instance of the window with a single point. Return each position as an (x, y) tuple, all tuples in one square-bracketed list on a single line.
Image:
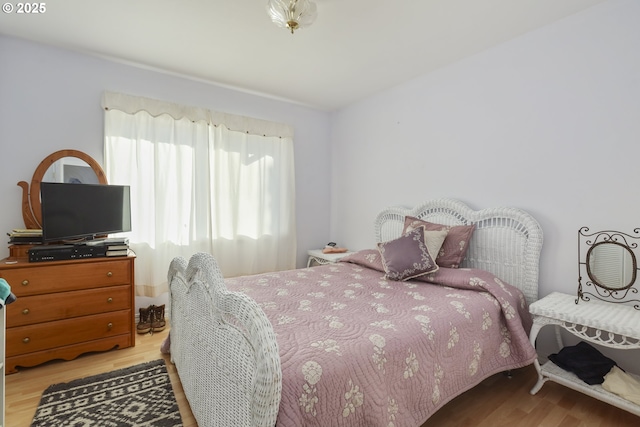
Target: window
[(201, 182)]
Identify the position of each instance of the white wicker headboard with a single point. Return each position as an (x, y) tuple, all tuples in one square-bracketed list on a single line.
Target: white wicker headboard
[(506, 241)]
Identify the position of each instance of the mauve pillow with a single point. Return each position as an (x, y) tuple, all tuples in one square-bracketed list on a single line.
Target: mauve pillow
[(455, 245), (407, 256)]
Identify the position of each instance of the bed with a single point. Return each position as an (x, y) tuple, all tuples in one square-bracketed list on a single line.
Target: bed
[(350, 344)]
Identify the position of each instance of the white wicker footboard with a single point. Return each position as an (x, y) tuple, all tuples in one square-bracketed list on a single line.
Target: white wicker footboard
[(224, 348)]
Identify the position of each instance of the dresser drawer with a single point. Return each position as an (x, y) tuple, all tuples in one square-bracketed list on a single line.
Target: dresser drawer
[(43, 279), (45, 308), (43, 336)]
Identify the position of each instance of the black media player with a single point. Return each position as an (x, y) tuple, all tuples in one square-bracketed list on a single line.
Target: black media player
[(65, 252)]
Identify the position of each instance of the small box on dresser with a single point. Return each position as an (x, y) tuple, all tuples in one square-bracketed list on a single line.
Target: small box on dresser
[(66, 308), (18, 252)]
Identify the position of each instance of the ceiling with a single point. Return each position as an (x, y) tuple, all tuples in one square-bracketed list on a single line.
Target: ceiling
[(355, 47)]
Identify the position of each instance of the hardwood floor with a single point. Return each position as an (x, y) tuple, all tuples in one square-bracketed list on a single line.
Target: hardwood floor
[(497, 401), (24, 389), (500, 401)]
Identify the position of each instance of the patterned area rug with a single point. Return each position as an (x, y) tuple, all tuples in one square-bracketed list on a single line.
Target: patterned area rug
[(140, 395)]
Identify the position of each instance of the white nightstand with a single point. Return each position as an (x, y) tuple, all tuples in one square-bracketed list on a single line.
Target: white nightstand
[(316, 257), (607, 324)]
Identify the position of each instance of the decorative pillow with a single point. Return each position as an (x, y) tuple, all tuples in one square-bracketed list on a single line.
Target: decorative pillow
[(455, 244), (434, 240), (407, 256)]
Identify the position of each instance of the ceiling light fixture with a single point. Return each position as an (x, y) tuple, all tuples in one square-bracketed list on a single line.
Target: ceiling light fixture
[(292, 14)]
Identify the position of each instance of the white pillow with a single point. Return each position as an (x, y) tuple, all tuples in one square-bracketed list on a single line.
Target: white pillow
[(434, 240)]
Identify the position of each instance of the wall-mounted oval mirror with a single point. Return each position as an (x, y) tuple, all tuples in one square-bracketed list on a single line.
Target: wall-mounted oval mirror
[(71, 166), (611, 265)]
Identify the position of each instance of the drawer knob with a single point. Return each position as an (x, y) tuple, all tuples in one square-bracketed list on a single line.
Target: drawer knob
[(25, 282), (26, 340), (109, 300), (110, 326), (109, 274), (25, 311)]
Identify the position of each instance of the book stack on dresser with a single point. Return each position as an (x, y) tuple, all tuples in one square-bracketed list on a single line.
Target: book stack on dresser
[(117, 246), (21, 240), (24, 236)]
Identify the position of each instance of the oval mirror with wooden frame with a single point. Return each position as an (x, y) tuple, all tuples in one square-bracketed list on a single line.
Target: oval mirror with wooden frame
[(31, 210)]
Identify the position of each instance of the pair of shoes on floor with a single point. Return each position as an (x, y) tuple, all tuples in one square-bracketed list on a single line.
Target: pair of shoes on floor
[(151, 319)]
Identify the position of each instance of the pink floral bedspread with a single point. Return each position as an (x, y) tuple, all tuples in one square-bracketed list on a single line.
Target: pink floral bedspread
[(359, 350)]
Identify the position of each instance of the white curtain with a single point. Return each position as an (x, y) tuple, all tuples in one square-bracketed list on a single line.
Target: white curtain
[(198, 186)]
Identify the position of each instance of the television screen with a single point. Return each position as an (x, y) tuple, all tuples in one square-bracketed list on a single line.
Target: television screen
[(83, 211)]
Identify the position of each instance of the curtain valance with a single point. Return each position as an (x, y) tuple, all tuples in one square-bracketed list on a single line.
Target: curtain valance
[(133, 104)]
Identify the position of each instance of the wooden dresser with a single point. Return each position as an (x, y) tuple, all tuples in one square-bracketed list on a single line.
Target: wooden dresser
[(66, 308)]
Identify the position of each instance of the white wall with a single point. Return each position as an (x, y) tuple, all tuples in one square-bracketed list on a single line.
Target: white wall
[(548, 122), (50, 100)]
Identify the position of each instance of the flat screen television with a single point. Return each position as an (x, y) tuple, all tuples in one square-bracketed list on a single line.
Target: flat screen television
[(83, 211)]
